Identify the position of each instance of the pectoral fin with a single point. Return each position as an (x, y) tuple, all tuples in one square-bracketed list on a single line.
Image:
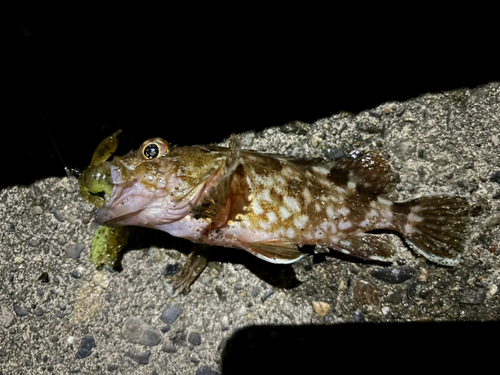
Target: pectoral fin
[(215, 204), (195, 265), (280, 251)]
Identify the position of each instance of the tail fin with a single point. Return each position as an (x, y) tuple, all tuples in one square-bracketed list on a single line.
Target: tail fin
[(435, 225)]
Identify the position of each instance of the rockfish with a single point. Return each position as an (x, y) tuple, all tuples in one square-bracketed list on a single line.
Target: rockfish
[(269, 204)]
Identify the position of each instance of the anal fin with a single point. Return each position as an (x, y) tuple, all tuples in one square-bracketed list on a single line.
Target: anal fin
[(281, 251), (367, 246)]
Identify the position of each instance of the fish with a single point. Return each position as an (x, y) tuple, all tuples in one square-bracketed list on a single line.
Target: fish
[(268, 204)]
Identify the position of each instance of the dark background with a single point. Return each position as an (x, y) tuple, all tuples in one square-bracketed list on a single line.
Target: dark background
[(196, 78)]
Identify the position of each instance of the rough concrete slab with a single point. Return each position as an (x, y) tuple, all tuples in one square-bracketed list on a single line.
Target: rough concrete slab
[(59, 315)]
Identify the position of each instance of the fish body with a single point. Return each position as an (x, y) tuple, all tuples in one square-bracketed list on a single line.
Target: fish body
[(270, 204)]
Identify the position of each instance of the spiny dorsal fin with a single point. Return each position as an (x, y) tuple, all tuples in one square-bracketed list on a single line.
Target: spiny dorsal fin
[(370, 172)]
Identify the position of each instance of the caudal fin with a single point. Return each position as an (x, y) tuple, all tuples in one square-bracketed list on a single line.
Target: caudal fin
[(435, 226)]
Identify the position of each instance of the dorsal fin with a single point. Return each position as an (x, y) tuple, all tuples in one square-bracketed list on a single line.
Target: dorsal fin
[(370, 172), (303, 163)]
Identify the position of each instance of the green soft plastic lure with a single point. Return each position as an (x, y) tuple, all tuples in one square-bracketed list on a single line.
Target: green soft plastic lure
[(94, 187)]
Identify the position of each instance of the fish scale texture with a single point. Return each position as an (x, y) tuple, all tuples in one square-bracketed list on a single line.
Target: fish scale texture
[(59, 314)]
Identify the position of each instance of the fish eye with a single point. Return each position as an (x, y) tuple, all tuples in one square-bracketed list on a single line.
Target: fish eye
[(153, 148)]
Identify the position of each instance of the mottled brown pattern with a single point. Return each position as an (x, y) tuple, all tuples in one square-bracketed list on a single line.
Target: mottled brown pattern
[(290, 179)]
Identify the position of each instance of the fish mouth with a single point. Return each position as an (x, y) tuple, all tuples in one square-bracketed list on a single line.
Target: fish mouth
[(128, 199), (133, 203)]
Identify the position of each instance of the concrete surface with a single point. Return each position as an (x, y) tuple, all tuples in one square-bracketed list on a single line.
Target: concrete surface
[(59, 315)]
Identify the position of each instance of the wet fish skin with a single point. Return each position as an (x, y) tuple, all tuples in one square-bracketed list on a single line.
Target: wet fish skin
[(268, 204)]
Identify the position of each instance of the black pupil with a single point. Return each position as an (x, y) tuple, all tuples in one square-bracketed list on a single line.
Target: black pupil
[(151, 151)]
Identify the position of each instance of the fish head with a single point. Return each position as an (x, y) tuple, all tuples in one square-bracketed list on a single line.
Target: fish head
[(152, 186), (133, 189)]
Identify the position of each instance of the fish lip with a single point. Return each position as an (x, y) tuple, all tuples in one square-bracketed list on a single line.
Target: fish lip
[(129, 198), (100, 215), (118, 186)]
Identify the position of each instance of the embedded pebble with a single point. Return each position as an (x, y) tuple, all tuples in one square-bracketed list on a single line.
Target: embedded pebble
[(34, 243), (165, 328), (37, 258), (66, 184), (242, 311), (86, 218), (170, 314), (171, 269), (61, 314), (493, 290), (61, 240), (424, 274), (378, 112), (18, 260), (255, 291), (333, 153), (266, 295), (316, 139), (194, 358), (74, 251), (140, 358), (55, 251), (472, 296), (58, 216), (321, 308), (393, 275), (495, 177), (37, 210), (492, 220), (495, 140), (394, 297), (101, 279), (365, 292), (136, 331), (86, 347), (20, 310), (297, 127), (368, 128), (169, 349), (238, 287), (194, 338), (38, 311), (358, 317), (6, 318)]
